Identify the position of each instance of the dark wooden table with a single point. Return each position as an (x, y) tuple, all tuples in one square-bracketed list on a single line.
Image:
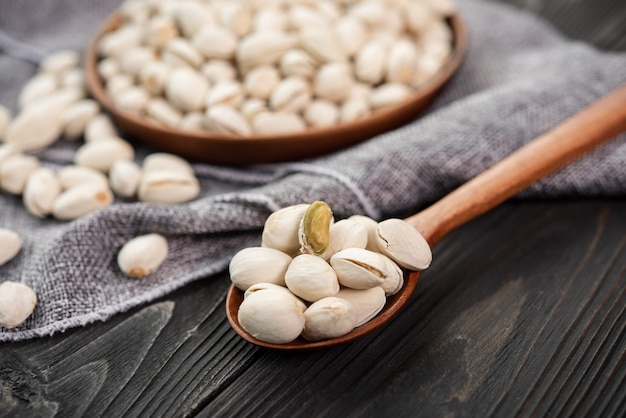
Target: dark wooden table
[(522, 314)]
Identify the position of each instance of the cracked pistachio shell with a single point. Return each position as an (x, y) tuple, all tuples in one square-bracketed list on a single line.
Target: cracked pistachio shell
[(226, 119), (401, 62), (281, 227), (181, 52), (124, 177), (116, 42), (73, 175), (80, 200), (166, 161), (159, 30), (311, 278), (403, 244), (296, 62), (228, 92), (167, 186), (252, 107), (272, 315), (40, 192), (153, 77), (100, 155), (236, 16), (292, 94), (142, 255), (395, 278), (367, 302), (345, 233), (358, 268), (163, 111), (314, 230), (10, 245), (15, 170), (258, 265), (17, 303), (371, 226), (218, 70), (329, 317), (260, 287)]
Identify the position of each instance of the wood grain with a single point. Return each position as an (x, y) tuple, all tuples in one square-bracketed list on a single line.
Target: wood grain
[(522, 315)]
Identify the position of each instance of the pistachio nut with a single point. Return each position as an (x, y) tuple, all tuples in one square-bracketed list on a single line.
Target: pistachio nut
[(163, 111), (74, 78), (351, 33), (167, 186), (281, 227), (59, 61), (100, 155), (389, 94), (218, 70), (367, 302), (124, 177), (261, 81), (118, 84), (191, 16), (142, 255), (333, 81), (15, 170), (358, 268), (269, 19), (292, 94), (153, 77), (236, 16), (17, 303), (40, 192), (226, 119), (403, 244), (322, 44), (80, 200), (73, 175), (394, 279), (252, 107), (40, 85), (185, 88), (107, 68), (272, 315), (160, 29), (99, 127), (262, 48), (299, 17), (321, 114), (181, 52), (227, 92), (133, 60), (116, 42), (159, 161), (258, 265), (10, 245), (192, 121), (311, 278), (215, 42), (329, 317), (401, 62), (371, 226), (354, 109), (369, 62), (77, 116), (296, 62), (133, 99), (265, 123), (314, 229), (345, 233)]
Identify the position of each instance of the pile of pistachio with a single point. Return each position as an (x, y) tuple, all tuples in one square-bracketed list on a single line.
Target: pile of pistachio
[(54, 104), (319, 279), (248, 67)]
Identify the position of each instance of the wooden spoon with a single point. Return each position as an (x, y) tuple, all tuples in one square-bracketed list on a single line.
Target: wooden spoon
[(556, 148)]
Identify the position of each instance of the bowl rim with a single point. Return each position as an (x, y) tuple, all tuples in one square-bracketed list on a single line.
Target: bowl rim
[(232, 149)]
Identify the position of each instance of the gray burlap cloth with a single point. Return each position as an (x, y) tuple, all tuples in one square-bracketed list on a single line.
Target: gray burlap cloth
[(519, 79)]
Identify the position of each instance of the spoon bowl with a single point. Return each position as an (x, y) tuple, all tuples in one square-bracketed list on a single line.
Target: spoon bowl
[(554, 149)]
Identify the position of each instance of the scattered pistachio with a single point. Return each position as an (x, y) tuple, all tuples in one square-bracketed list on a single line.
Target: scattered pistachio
[(17, 303), (142, 255)]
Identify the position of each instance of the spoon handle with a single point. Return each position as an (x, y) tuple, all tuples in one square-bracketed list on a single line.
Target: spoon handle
[(554, 149)]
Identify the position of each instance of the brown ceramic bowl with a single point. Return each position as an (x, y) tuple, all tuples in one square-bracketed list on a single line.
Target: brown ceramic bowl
[(234, 150)]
